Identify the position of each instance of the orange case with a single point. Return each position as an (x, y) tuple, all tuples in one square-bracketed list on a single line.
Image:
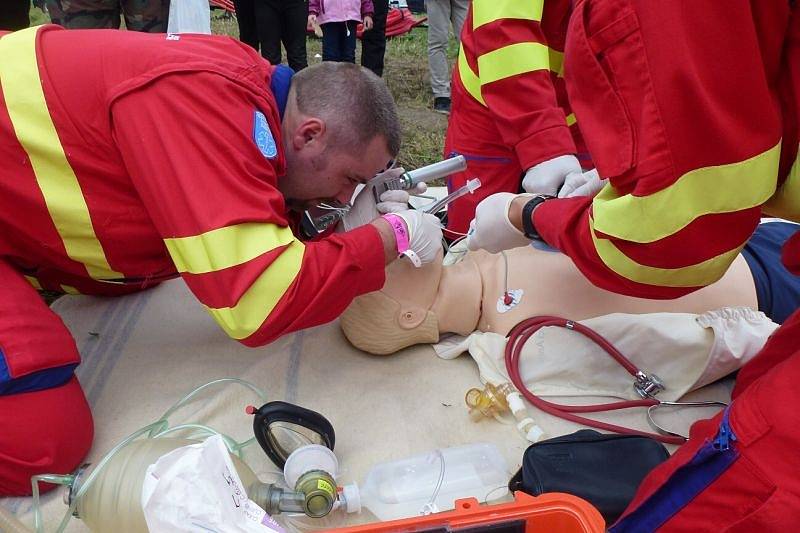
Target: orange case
[(552, 512)]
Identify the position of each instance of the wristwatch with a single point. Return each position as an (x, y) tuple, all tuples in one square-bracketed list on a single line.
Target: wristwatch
[(527, 216)]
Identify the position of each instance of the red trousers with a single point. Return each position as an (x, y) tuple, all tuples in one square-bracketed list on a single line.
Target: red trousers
[(754, 484), (471, 132), (45, 421)]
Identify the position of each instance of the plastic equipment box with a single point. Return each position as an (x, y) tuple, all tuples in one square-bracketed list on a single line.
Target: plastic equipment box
[(553, 513)]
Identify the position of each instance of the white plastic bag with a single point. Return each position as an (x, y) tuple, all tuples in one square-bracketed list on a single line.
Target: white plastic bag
[(189, 16), (197, 488)]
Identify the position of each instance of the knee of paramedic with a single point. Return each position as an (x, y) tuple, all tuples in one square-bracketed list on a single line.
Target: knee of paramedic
[(45, 419), (45, 431)]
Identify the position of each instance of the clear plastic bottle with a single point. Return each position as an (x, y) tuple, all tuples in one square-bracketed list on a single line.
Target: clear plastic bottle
[(430, 482)]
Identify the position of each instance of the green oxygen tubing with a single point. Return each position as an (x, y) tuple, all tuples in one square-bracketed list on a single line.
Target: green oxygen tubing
[(131, 448)]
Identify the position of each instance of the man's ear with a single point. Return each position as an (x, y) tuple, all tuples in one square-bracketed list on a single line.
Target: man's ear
[(411, 316), (310, 133)]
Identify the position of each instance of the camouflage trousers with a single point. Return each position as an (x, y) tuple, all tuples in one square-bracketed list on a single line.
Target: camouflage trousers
[(140, 15)]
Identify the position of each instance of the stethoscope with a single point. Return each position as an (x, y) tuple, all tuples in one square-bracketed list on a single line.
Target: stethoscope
[(647, 386)]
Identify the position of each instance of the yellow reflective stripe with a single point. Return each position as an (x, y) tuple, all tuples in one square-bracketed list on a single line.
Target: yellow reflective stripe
[(511, 60), (698, 275), (226, 247), (35, 282), (486, 11), (571, 119), (469, 79), (718, 189), (27, 108), (556, 60), (255, 305), (785, 203), (69, 289)]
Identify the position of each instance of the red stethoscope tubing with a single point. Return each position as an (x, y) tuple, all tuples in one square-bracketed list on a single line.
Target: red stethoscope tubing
[(525, 330)]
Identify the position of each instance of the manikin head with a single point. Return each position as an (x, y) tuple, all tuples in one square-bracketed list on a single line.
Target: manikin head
[(340, 128), (398, 315)]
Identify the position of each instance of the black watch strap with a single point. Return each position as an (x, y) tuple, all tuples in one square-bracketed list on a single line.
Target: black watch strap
[(527, 216)]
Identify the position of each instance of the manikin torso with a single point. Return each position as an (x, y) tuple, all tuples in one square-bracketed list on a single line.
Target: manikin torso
[(466, 299)]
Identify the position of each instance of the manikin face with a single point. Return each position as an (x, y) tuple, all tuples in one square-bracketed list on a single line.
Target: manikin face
[(319, 170), (399, 314)]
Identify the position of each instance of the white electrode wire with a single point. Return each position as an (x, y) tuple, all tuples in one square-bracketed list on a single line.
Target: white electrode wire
[(157, 429), (505, 271)]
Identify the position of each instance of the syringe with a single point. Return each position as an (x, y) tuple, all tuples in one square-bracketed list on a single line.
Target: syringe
[(411, 178)]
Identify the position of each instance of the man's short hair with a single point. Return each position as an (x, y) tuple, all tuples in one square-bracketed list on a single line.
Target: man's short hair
[(355, 104)]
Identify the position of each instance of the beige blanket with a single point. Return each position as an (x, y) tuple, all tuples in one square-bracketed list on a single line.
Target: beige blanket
[(143, 352)]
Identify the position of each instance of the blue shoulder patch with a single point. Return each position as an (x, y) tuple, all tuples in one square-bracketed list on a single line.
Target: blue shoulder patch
[(262, 136)]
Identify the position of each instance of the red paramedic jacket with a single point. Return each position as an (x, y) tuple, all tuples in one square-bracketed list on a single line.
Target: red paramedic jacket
[(132, 158), (510, 62), (694, 122)]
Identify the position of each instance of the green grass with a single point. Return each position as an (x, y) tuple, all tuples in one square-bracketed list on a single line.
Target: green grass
[(37, 17), (406, 73)]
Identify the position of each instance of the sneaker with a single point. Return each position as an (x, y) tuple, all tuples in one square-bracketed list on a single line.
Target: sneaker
[(441, 104)]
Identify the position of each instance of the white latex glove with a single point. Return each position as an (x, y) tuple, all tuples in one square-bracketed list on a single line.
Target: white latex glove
[(491, 230), (397, 200), (424, 234), (365, 209), (587, 184), (548, 177)]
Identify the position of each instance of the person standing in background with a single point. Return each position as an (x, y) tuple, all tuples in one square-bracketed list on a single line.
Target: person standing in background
[(282, 21), (373, 42), (53, 9), (441, 14), (246, 19), (140, 15), (339, 20)]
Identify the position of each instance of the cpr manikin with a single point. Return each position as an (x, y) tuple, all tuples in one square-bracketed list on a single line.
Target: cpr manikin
[(417, 305), (688, 342)]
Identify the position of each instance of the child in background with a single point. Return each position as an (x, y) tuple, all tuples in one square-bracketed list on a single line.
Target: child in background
[(338, 19)]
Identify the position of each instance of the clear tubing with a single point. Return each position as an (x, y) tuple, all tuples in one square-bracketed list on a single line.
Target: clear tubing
[(430, 507), (158, 428), (527, 427), (467, 188)]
